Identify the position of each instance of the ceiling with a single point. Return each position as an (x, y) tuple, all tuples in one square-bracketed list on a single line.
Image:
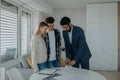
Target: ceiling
[(73, 3)]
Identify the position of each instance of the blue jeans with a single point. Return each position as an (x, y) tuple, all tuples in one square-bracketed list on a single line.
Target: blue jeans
[(55, 63), (41, 66)]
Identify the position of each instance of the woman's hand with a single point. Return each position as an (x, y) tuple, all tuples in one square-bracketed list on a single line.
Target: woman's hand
[(36, 71)]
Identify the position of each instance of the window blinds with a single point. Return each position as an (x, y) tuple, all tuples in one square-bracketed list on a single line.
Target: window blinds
[(8, 31), (26, 29)]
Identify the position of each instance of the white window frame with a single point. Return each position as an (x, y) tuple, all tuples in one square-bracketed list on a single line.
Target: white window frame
[(20, 9), (24, 9), (17, 29)]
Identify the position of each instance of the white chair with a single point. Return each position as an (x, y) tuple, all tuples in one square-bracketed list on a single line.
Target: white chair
[(25, 70), (14, 74)]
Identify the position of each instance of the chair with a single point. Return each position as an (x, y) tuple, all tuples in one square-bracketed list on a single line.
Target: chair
[(14, 74), (24, 62), (25, 70)]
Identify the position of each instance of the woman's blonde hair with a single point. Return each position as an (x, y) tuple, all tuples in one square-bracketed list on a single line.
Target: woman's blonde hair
[(41, 24)]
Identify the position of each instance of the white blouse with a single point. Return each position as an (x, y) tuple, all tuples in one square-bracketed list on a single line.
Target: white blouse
[(39, 52)]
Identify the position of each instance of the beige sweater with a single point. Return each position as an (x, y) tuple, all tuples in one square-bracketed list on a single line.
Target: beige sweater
[(39, 52)]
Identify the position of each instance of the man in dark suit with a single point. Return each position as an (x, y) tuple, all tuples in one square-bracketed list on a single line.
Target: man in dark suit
[(77, 50)]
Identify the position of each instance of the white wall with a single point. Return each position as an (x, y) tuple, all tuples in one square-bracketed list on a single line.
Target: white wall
[(77, 15), (102, 35), (35, 4)]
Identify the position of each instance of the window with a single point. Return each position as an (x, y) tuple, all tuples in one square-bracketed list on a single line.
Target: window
[(15, 31), (8, 31), (26, 31)]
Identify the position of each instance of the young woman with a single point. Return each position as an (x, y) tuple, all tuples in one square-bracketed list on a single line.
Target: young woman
[(39, 52)]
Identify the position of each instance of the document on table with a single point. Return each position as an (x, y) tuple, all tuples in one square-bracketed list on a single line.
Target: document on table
[(48, 71)]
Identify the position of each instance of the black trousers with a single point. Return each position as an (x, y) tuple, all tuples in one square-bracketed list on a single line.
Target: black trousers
[(84, 64)]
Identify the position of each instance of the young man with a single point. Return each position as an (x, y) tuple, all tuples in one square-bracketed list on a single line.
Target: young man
[(77, 50), (53, 44)]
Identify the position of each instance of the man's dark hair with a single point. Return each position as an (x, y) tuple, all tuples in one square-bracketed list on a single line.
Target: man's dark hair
[(65, 21), (50, 20)]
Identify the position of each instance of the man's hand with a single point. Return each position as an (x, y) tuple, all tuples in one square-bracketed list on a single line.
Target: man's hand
[(67, 61), (72, 62)]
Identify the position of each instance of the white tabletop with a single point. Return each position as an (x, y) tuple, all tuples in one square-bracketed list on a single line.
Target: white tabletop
[(69, 73)]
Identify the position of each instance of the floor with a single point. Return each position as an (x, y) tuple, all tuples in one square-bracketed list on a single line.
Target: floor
[(110, 75)]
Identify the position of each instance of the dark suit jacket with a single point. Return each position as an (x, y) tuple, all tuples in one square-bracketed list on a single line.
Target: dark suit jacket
[(78, 50)]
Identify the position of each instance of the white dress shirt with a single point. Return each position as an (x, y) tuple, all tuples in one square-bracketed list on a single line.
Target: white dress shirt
[(70, 35)]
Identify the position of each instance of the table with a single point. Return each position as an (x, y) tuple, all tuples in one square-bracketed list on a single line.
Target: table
[(69, 73)]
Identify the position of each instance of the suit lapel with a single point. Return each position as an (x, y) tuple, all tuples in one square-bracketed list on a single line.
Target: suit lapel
[(67, 36)]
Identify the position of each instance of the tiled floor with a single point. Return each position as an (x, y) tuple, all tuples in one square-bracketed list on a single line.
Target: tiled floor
[(110, 75)]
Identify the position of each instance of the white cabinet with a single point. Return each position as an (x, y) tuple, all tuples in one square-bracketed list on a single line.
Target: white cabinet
[(102, 35)]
